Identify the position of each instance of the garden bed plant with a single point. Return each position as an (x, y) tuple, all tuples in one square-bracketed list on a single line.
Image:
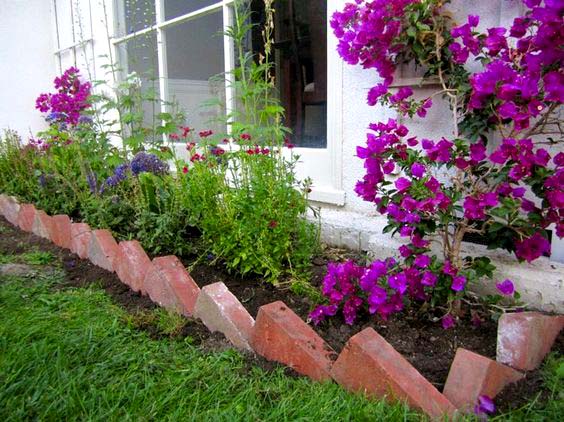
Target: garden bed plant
[(234, 210)]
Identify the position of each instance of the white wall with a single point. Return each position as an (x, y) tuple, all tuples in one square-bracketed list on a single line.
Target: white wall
[(27, 64)]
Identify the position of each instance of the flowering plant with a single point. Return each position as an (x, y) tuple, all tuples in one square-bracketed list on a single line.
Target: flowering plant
[(66, 106), (510, 192)]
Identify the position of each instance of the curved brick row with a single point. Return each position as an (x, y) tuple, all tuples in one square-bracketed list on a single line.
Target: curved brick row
[(368, 363)]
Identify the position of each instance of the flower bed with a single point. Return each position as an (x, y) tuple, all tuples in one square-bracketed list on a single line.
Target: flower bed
[(274, 332)]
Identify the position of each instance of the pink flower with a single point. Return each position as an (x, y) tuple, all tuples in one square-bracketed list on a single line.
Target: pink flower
[(506, 287), (532, 248), (448, 321)]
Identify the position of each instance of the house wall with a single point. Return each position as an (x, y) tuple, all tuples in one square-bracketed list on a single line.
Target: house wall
[(27, 64)]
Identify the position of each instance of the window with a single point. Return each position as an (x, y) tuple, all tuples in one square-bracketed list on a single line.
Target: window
[(73, 35), (300, 45), (177, 48), (190, 49)]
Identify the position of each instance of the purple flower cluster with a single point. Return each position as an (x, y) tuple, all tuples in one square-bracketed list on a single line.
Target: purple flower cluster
[(487, 191), (523, 71), (71, 99), (148, 163)]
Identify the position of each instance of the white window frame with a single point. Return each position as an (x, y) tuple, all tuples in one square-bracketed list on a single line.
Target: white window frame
[(82, 43), (331, 191)]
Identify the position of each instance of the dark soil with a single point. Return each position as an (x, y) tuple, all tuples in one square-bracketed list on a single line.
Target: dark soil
[(424, 343)]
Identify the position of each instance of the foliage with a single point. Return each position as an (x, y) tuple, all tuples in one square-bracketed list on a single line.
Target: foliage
[(449, 188), (236, 198)]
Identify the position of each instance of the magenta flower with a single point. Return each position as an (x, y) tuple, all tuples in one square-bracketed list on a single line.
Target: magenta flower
[(506, 287), (417, 170), (532, 248), (458, 283), (448, 321), (485, 405)]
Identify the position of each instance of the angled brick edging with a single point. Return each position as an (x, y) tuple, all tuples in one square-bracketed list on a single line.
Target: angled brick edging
[(42, 225), (369, 364), (183, 287), (80, 239), (525, 338), (168, 283), (221, 311), (60, 233), (282, 336), (10, 208), (472, 375), (131, 264), (26, 217), (103, 249)]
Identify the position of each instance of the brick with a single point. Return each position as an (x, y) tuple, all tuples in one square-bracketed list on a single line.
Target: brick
[(525, 338), (472, 375), (282, 336), (42, 225), (102, 249), (221, 311), (131, 264), (184, 288), (156, 286), (26, 217), (9, 208), (369, 364), (80, 239), (60, 233)]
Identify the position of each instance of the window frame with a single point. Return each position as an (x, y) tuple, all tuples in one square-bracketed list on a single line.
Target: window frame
[(331, 192)]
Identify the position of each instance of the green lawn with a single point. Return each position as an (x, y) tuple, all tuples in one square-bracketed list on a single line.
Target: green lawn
[(72, 354)]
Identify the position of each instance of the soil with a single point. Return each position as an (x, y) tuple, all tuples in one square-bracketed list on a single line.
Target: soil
[(423, 342)]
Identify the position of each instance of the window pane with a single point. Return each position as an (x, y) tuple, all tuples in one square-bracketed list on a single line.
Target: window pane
[(300, 65), (138, 58), (64, 23), (134, 15), (194, 55), (175, 8)]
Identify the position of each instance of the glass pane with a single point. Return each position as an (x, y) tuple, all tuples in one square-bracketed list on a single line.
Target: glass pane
[(64, 23), (300, 65), (134, 15), (175, 8), (138, 63), (194, 55)]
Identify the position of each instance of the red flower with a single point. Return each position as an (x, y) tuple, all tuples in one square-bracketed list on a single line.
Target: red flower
[(185, 169), (246, 137), (185, 131), (273, 224), (173, 136), (196, 157), (206, 133), (190, 145)]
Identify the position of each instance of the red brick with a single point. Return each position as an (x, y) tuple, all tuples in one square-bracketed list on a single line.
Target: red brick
[(102, 249), (185, 290), (472, 375), (42, 225), (131, 264), (369, 364), (221, 311), (156, 286), (80, 239), (525, 338), (61, 231), (26, 217), (9, 208), (282, 336)]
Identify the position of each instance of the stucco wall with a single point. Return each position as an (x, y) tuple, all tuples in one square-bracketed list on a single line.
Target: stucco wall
[(27, 63)]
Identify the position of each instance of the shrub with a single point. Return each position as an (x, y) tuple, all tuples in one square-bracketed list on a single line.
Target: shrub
[(452, 187)]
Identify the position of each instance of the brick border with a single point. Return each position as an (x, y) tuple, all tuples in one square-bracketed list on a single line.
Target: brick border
[(367, 363)]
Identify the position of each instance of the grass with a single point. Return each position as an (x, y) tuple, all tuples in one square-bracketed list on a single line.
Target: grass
[(71, 354)]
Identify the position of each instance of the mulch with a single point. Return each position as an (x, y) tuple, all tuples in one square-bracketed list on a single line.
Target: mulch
[(423, 342)]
